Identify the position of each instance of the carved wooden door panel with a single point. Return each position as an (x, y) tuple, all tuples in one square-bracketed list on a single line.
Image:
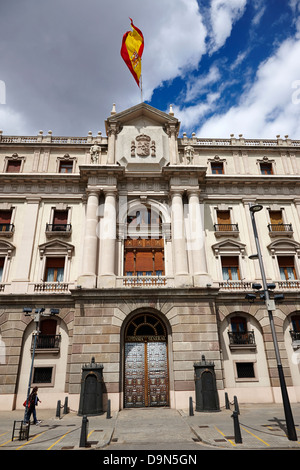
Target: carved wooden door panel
[(146, 374), (157, 374), (134, 375)]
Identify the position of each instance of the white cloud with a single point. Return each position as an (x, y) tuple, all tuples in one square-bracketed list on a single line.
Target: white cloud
[(267, 108), (190, 115), (197, 85), (223, 14), (13, 121)]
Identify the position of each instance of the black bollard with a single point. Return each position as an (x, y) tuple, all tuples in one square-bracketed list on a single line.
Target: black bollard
[(66, 408), (108, 415), (191, 411), (84, 432), (227, 401), (58, 409), (237, 430), (236, 405)]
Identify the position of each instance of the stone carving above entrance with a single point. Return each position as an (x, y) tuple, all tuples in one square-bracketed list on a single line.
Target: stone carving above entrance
[(143, 146)]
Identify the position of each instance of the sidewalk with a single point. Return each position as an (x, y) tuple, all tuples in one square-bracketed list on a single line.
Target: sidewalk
[(261, 426)]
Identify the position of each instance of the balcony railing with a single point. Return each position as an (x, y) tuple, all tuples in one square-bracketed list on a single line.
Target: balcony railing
[(226, 227), (63, 229), (47, 341), (7, 229), (51, 287), (295, 335), (280, 229), (241, 339), (235, 285), (144, 281)]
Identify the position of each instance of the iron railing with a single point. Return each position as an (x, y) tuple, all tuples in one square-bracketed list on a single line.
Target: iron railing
[(58, 227), (238, 338), (226, 227), (7, 227), (280, 227), (295, 335), (47, 341)]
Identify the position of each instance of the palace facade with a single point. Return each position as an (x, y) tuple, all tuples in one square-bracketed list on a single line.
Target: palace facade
[(141, 239)]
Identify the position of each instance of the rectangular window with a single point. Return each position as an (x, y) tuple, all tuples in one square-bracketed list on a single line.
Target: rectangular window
[(5, 220), (66, 167), (54, 269), (245, 370), (230, 268), (13, 166), (60, 220), (224, 221), (217, 168), (287, 268), (276, 217), (43, 375), (266, 168)]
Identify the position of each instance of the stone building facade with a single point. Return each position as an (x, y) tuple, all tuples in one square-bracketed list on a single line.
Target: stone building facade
[(142, 240)]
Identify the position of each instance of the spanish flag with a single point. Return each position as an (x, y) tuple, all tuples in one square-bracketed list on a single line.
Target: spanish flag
[(132, 50)]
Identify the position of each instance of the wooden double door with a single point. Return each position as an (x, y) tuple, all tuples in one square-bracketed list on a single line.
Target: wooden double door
[(146, 374)]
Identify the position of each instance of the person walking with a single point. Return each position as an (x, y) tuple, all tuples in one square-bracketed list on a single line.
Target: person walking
[(33, 400)]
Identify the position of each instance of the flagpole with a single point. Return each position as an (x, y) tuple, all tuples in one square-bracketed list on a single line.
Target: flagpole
[(141, 89)]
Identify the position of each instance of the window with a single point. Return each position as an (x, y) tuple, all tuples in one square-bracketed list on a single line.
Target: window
[(65, 166), (143, 261), (43, 375), (1, 268), (60, 220), (276, 217), (217, 168), (230, 268), (296, 323), (287, 268), (266, 168), (54, 269), (5, 220), (245, 370), (13, 166), (238, 324), (224, 220)]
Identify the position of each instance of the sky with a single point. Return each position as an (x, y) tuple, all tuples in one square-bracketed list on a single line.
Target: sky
[(226, 66)]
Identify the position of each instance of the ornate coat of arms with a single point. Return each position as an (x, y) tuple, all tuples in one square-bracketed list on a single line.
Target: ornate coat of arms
[(143, 146)]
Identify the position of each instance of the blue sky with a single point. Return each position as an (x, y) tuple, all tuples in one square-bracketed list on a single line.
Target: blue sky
[(226, 66)]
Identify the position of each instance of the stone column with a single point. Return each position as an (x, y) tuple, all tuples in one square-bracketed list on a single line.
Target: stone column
[(196, 242), (25, 248), (172, 133), (89, 266), (180, 263), (111, 145), (108, 229)]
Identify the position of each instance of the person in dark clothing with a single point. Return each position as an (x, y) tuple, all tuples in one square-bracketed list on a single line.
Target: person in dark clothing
[(33, 400)]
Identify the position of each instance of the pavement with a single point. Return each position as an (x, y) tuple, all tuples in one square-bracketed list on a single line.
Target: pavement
[(262, 427)]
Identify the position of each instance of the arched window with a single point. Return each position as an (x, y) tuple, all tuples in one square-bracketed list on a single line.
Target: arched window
[(239, 334)]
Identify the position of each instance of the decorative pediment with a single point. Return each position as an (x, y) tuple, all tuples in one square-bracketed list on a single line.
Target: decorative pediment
[(284, 246), (56, 247), (229, 247), (6, 248)]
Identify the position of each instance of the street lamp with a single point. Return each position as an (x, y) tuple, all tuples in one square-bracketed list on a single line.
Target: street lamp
[(270, 305), (37, 317)]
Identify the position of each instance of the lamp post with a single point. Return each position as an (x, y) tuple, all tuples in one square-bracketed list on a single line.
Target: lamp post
[(270, 305), (37, 317)]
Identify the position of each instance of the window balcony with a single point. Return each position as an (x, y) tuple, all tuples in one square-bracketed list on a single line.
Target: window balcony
[(226, 230), (295, 335), (54, 230), (7, 230), (241, 340), (52, 287), (47, 343), (280, 230), (144, 281)]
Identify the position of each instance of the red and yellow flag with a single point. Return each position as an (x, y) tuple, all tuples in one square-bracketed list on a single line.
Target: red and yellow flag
[(132, 50)]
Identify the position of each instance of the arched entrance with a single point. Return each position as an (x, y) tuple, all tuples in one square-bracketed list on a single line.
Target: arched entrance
[(146, 362)]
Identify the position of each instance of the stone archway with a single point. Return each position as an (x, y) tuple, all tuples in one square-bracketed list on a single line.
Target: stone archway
[(146, 372)]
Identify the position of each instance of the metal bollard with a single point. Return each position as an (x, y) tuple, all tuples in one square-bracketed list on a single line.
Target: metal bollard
[(58, 409), (237, 430), (84, 432), (227, 401), (191, 411), (108, 415), (236, 405), (66, 408)]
